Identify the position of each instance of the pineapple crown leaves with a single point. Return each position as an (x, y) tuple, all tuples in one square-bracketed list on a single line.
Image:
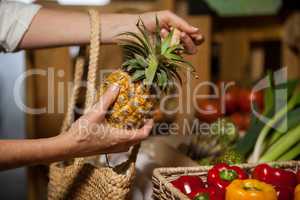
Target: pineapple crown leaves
[(151, 59)]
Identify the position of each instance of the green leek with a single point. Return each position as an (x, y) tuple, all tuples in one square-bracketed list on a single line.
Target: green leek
[(292, 120), (282, 145), (292, 154), (278, 116)]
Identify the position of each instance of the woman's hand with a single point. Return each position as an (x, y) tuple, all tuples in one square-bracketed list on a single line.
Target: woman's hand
[(114, 24), (89, 135)]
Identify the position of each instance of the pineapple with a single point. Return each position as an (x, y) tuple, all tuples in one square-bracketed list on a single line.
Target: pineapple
[(150, 68)]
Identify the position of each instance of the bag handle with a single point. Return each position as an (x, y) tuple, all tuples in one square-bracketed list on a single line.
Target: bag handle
[(79, 69), (93, 59), (94, 51), (69, 118)]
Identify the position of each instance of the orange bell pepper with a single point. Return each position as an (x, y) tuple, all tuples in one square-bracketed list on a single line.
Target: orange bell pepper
[(250, 189), (297, 192)]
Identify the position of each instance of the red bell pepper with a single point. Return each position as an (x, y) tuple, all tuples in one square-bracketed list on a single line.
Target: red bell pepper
[(209, 193), (298, 176), (275, 176), (221, 175), (284, 181), (187, 184), (284, 193)]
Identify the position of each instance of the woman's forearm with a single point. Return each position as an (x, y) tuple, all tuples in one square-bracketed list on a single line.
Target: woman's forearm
[(59, 27), (17, 153), (56, 27)]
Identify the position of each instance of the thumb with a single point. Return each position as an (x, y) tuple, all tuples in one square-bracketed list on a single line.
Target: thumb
[(99, 110)]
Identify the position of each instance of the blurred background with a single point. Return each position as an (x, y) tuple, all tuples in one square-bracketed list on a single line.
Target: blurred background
[(243, 40)]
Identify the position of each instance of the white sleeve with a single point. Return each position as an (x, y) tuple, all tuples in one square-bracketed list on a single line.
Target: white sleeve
[(15, 19)]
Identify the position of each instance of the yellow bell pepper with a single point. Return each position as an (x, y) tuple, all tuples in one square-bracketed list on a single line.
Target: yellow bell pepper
[(250, 189), (297, 192)]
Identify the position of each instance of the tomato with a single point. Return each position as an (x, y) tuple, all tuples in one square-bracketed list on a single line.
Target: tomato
[(237, 119), (231, 100), (229, 96), (246, 98), (208, 110), (241, 120), (258, 98)]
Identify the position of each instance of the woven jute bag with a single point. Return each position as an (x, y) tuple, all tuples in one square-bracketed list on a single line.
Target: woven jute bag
[(78, 179)]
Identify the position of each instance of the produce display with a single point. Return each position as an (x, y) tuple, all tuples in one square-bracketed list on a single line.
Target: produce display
[(225, 182), (150, 68), (275, 139)]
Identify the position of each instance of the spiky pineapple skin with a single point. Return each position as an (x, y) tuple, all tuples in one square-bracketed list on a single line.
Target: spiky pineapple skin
[(134, 103)]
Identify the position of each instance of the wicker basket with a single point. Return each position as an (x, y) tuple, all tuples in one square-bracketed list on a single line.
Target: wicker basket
[(163, 189)]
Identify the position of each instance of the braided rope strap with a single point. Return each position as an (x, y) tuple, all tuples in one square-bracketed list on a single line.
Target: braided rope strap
[(69, 118), (94, 52), (93, 59), (92, 74)]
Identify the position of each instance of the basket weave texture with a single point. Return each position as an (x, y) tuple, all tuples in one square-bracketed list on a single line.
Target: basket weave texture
[(163, 189), (77, 179)]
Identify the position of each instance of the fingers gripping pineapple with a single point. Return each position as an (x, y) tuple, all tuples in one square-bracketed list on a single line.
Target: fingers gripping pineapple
[(150, 69)]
